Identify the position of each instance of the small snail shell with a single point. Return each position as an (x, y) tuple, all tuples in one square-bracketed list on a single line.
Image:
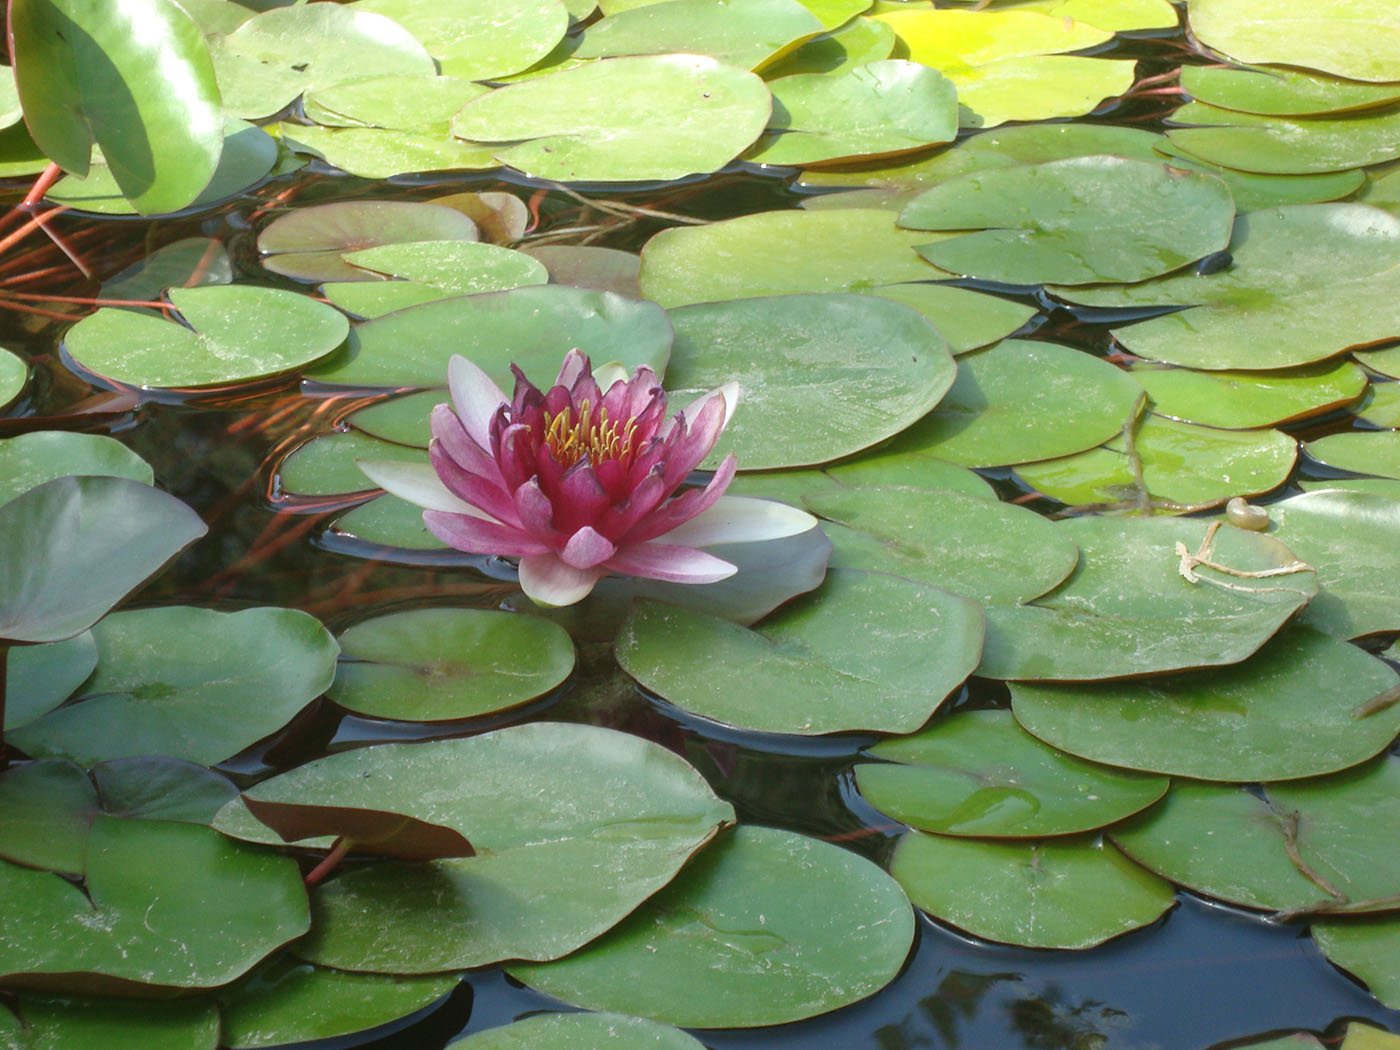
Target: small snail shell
[(1242, 515)]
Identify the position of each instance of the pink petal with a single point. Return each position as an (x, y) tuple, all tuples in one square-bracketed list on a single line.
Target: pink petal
[(579, 499), (548, 581), (484, 493), (695, 443), (666, 561), (476, 397), (458, 444), (477, 536), (575, 364), (586, 549), (537, 514), (729, 392), (616, 521), (685, 506)]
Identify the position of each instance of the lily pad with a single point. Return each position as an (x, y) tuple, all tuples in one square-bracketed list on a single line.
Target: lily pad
[(55, 1023), (838, 373), (431, 270), (968, 319), (1075, 221), (1254, 191), (1367, 948), (618, 813), (192, 700), (40, 677), (978, 773), (167, 906), (45, 810), (803, 669), (382, 153), (14, 373), (985, 550), (1305, 282), (993, 93), (1020, 401), (1184, 467), (1287, 145), (399, 102), (1128, 610), (1282, 92), (533, 327), (31, 459), (577, 1030), (748, 34), (235, 333), (877, 468), (1228, 843), (1381, 407), (1358, 39), (326, 465), (585, 266), (622, 119), (1375, 452), (1385, 361), (479, 42), (364, 829), (427, 665), (1062, 893), (185, 263), (855, 43), (765, 927), (1244, 400), (76, 546), (157, 787), (390, 522), (1287, 712)]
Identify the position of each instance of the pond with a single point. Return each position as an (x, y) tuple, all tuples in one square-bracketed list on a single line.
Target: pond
[(1032, 683)]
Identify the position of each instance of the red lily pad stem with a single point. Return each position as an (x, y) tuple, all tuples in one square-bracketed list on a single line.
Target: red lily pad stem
[(339, 849)]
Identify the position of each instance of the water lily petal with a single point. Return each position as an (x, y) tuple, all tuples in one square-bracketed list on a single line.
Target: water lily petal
[(446, 427), (548, 581), (587, 548), (682, 508), (741, 519), (666, 561), (418, 483), (695, 442), (537, 514), (479, 536), (729, 393), (476, 397), (575, 363), (485, 494), (578, 499)]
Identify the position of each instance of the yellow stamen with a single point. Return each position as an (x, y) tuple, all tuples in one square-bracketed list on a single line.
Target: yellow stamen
[(598, 439)]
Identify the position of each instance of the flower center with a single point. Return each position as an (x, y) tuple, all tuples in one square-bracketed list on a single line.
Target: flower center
[(572, 438)]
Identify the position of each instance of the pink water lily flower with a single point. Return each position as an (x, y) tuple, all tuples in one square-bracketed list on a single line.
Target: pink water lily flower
[(578, 482)]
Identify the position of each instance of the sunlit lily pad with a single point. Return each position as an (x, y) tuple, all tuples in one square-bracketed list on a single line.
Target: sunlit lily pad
[(431, 270), (1385, 361), (1116, 16), (428, 665), (884, 107), (1363, 451), (1074, 221), (804, 669), (72, 1023), (968, 319), (235, 332), (1305, 282), (382, 153), (1359, 39), (533, 327), (622, 119), (14, 373), (578, 1030), (399, 102), (1020, 401), (837, 373), (1287, 712), (1242, 400), (1065, 86), (978, 773), (1127, 610), (982, 549), (744, 33), (292, 1002), (1282, 92), (167, 905), (619, 814), (1367, 948), (479, 42), (1381, 407), (1287, 145), (1254, 191), (40, 677), (1225, 842), (1063, 893), (31, 459), (1183, 465), (765, 927), (857, 42), (177, 680)]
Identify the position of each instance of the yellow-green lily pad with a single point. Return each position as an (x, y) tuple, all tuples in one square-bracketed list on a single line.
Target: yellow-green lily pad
[(1367, 948), (1288, 145), (1358, 39), (479, 42), (748, 34), (1237, 400), (1374, 452)]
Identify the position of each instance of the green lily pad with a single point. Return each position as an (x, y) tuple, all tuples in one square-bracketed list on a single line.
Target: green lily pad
[(1020, 401), (167, 906), (1228, 843), (838, 373), (45, 810), (190, 700), (1254, 191), (533, 327), (879, 468), (76, 546), (40, 677), (1386, 361), (880, 108), (765, 927), (1381, 407), (747, 34), (14, 373), (856, 43), (398, 102), (157, 787), (1305, 282), (574, 1031), (1287, 145), (1358, 39), (1074, 221), (326, 465), (1375, 452), (479, 43), (276, 55), (622, 119), (584, 266), (1388, 487), (431, 270), (428, 665), (1063, 893), (185, 263), (978, 773), (236, 333), (1183, 465), (1127, 610), (1367, 948), (1244, 400), (390, 522), (619, 814), (778, 253), (1351, 537), (985, 550), (382, 153), (1282, 92), (116, 1024), (1285, 713), (288, 1001), (1115, 16), (967, 319), (31, 459), (803, 669)]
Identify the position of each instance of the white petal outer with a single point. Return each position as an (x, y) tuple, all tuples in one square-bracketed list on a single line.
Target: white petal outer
[(665, 561), (548, 581), (740, 519), (418, 483), (475, 396), (608, 373), (730, 393)]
